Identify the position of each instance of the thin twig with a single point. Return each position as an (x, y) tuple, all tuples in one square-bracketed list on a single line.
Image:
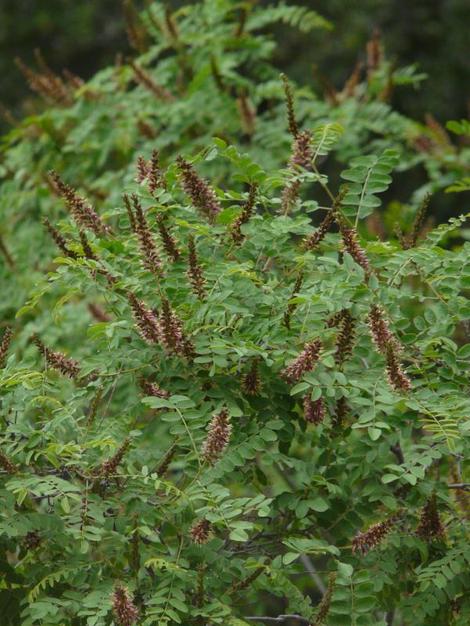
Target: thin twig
[(306, 560), (278, 619), (309, 566)]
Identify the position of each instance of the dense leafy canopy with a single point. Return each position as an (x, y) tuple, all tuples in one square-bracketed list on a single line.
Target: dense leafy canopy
[(232, 389)]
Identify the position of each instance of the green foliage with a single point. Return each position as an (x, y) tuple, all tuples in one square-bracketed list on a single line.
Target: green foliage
[(184, 418)]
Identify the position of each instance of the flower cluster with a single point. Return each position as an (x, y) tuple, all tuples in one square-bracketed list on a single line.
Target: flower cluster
[(32, 540), (82, 212), (325, 603), (109, 467), (345, 340), (430, 526), (200, 532), (301, 158), (58, 361), (292, 305), (48, 84), (395, 374), (165, 462), (195, 275), (290, 193), (302, 152), (218, 437), (314, 410), (373, 536), (5, 345), (305, 362), (380, 330), (312, 241), (168, 241), (388, 345), (342, 409), (292, 122), (142, 77), (151, 171), (251, 382), (59, 240), (246, 213), (201, 193), (150, 258), (6, 464), (410, 241), (145, 319), (351, 245), (171, 332), (247, 113), (130, 213), (163, 328), (124, 609), (98, 312), (93, 409), (152, 389), (86, 247), (245, 583)]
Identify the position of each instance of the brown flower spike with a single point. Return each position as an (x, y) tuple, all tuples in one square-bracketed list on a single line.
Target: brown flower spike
[(6, 464), (380, 330), (388, 345), (325, 603), (150, 258), (430, 527), (372, 537), (218, 437), (351, 245), (251, 382), (292, 305), (195, 274), (305, 362), (314, 410), (146, 321), (201, 193), (145, 79), (152, 389), (292, 122), (345, 340), (109, 467), (59, 240), (58, 361), (312, 241), (82, 212), (395, 374), (200, 532), (245, 215), (168, 241), (151, 171), (302, 152), (4, 345), (341, 412), (124, 609), (166, 461), (171, 332)]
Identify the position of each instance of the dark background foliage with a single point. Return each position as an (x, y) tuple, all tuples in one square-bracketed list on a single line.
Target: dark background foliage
[(85, 36)]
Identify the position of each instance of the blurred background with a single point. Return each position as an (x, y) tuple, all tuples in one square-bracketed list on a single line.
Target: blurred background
[(84, 35)]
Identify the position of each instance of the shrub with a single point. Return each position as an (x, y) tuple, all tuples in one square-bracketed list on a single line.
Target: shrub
[(265, 411)]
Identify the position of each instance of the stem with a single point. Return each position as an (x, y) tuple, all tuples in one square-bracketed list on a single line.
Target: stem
[(4, 250)]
